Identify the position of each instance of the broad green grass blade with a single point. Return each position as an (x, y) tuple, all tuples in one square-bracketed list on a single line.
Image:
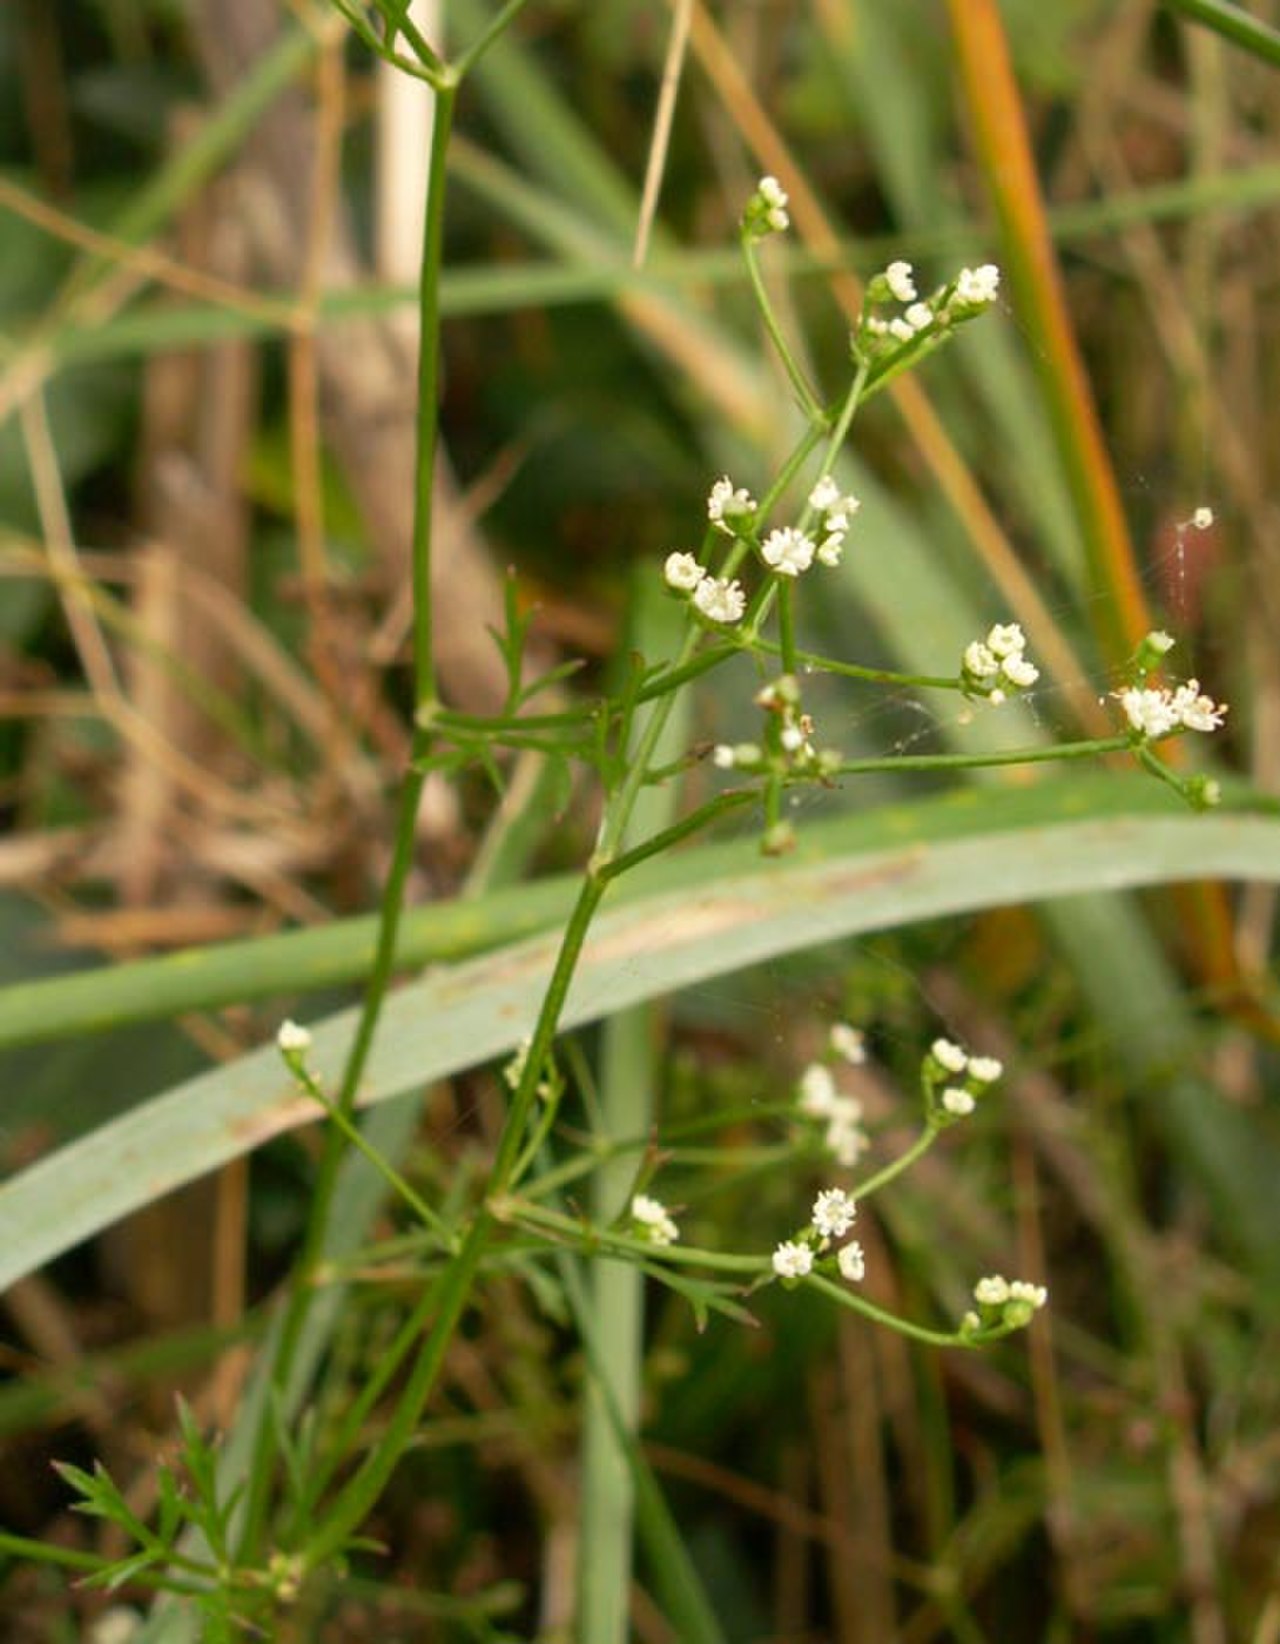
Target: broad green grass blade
[(732, 909)]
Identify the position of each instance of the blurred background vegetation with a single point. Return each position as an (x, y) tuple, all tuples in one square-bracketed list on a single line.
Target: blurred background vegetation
[(206, 390)]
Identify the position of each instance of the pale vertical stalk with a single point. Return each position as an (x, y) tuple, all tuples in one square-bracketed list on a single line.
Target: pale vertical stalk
[(616, 1289), (404, 139)]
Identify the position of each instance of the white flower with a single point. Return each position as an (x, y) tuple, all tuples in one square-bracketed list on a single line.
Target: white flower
[(1022, 1290), (723, 757), (949, 1055), (845, 1139), (849, 1043), (985, 1069), (773, 198), (901, 330), (817, 1091), (720, 600), (978, 286), (991, 1292), (980, 661), (898, 278), (825, 495), (1006, 639), (831, 548), (1202, 519), (792, 1260), (682, 571), (292, 1039), (725, 504), (1149, 711), (1157, 712), (792, 738), (852, 1262), (1197, 712), (958, 1103), (788, 551), (1018, 671), (833, 1213), (919, 317), (651, 1219)]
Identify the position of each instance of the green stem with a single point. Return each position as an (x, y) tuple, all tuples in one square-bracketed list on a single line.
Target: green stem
[(393, 894), (1014, 756), (917, 1150), (891, 1321), (1233, 24), (808, 403)]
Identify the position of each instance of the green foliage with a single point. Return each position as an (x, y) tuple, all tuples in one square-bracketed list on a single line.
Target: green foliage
[(493, 1330)]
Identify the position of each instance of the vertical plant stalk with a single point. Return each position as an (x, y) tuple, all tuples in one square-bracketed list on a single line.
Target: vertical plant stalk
[(614, 1291), (425, 697)]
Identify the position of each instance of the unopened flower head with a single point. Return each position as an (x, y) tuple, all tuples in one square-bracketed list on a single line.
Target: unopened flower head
[(1202, 519), (730, 507), (1013, 1301), (833, 1214), (738, 757), (1016, 670), (899, 278), (1203, 792), (792, 1260), (766, 210), (852, 1262), (682, 572), (652, 1220), (949, 1056), (292, 1039), (720, 600), (788, 551), (957, 1102)]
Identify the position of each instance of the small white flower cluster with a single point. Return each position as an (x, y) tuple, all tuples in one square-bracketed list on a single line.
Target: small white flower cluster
[(972, 290), (836, 510), (953, 1080), (730, 508), (1154, 712), (652, 1221), (1007, 1304), (849, 1043), (845, 1139), (292, 1040), (833, 1214), (788, 551), (976, 287), (1202, 519), (990, 665), (718, 598), (766, 210)]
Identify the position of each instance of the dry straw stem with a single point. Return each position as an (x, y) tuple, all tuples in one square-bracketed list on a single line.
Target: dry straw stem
[(1003, 145)]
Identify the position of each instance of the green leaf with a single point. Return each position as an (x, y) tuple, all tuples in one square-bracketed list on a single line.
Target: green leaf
[(680, 920)]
